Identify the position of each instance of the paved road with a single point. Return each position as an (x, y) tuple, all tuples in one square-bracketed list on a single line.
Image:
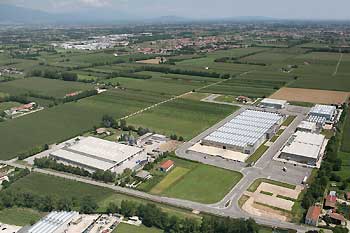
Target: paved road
[(231, 212)]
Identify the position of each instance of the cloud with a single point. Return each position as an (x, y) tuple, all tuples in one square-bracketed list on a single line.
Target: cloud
[(96, 3)]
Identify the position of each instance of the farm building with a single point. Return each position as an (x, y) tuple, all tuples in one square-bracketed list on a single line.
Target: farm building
[(322, 113), (307, 126), (167, 166), (94, 154), (304, 147), (312, 216), (55, 222), (246, 132), (273, 103)]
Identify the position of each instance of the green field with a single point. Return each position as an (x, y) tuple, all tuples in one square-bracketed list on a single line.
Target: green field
[(205, 184), (127, 228), (43, 86), (345, 144), (344, 173), (19, 216), (173, 176), (184, 117), (41, 184), (8, 105), (46, 127)]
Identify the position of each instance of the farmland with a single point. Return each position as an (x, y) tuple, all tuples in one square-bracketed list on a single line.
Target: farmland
[(43, 86), (126, 228), (183, 117), (38, 128)]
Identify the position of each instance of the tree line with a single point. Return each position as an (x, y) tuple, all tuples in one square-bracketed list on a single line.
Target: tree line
[(99, 175), (153, 216)]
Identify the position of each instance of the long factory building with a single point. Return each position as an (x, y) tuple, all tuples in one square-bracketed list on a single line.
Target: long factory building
[(94, 154), (245, 132)]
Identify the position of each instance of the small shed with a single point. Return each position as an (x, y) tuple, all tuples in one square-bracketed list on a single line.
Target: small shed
[(166, 166)]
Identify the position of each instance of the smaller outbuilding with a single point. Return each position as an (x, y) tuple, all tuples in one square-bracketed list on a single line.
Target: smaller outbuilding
[(313, 215), (143, 175), (307, 126), (337, 219), (273, 103), (166, 166)]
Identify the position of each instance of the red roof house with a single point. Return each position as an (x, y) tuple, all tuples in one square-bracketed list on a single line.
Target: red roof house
[(337, 218), (313, 215), (330, 202), (167, 166)]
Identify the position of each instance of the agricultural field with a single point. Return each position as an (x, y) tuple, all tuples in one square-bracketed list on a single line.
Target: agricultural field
[(45, 127), (163, 84), (254, 84), (183, 117), (43, 86), (190, 181), (306, 96), (345, 145), (20, 216)]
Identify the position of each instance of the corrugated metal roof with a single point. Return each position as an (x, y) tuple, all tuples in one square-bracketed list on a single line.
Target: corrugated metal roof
[(52, 222), (323, 109), (246, 128)]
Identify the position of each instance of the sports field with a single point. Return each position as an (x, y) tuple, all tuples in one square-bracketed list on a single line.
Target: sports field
[(311, 96), (43, 86), (183, 117), (45, 127)]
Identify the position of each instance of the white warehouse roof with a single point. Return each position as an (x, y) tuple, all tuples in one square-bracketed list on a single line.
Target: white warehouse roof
[(307, 125), (305, 144), (273, 101), (52, 222), (320, 109), (245, 129), (97, 153)]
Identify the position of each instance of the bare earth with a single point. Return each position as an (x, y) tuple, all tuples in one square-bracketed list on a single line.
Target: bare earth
[(311, 95), (150, 61), (252, 204)]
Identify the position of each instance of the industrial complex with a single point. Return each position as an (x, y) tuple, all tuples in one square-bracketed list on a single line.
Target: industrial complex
[(273, 103), (320, 114), (246, 132)]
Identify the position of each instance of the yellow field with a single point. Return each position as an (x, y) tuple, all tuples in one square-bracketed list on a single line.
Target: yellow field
[(175, 175)]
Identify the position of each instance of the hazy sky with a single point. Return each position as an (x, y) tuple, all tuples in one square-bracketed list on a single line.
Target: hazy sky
[(294, 9)]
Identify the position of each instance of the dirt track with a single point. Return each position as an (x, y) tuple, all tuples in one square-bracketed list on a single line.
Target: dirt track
[(311, 96)]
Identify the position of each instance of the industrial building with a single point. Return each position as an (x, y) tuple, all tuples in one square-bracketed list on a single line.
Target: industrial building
[(94, 154), (307, 126), (320, 114), (273, 103), (245, 132), (304, 147), (55, 222)]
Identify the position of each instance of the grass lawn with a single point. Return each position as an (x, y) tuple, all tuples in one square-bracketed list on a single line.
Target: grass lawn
[(196, 96), (176, 174), (8, 105), (302, 104), (344, 173), (243, 200), (288, 121), (183, 117), (253, 187), (43, 86), (19, 216), (127, 228), (257, 154), (205, 184)]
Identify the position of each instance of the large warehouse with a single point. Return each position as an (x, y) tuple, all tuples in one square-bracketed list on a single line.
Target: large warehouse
[(273, 103), (322, 113), (304, 147), (245, 132), (93, 154)]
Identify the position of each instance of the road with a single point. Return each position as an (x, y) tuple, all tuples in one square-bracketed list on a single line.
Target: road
[(234, 211)]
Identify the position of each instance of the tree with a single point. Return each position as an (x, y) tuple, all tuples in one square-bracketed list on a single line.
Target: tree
[(109, 121), (88, 205)]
